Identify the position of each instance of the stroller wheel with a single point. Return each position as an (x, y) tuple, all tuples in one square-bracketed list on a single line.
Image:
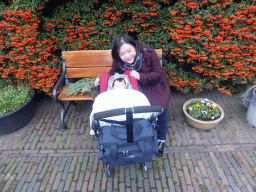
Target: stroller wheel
[(107, 169), (145, 165), (146, 168)]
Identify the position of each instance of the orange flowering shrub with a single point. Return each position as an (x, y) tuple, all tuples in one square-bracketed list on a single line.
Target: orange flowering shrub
[(216, 43), (25, 57), (101, 22), (206, 43)]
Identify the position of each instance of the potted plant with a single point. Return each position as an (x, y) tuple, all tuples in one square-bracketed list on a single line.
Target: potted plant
[(202, 113), (17, 106)]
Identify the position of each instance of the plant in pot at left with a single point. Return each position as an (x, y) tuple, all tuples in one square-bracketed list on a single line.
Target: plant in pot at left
[(17, 106), (26, 59)]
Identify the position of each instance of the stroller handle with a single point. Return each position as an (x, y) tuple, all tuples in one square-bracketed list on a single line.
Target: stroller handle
[(123, 111)]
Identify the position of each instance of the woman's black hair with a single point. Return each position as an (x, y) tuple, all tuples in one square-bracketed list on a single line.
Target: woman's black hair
[(119, 41)]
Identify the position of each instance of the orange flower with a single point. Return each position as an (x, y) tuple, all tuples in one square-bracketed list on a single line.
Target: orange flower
[(251, 9), (147, 3), (111, 9), (197, 17), (124, 2), (224, 20), (192, 5), (197, 37), (197, 30), (183, 14), (217, 5), (177, 49), (4, 76), (119, 14), (198, 23), (173, 13), (206, 33), (180, 42), (107, 22)]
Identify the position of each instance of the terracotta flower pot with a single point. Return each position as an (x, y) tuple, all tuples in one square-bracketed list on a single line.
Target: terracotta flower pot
[(198, 124)]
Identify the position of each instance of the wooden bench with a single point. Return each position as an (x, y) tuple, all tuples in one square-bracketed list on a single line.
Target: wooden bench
[(81, 64)]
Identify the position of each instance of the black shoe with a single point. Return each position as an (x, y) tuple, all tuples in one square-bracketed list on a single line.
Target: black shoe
[(160, 148)]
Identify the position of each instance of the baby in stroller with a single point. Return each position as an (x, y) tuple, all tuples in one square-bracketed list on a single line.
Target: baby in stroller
[(119, 93)]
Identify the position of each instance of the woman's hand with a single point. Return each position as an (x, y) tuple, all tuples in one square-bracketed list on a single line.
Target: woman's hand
[(135, 74), (97, 82)]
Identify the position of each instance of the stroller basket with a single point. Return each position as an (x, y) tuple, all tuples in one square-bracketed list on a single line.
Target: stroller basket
[(123, 143)]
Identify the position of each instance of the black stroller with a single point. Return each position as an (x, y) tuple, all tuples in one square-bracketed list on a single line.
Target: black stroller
[(128, 142)]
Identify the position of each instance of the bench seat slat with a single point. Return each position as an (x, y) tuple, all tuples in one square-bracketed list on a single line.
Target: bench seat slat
[(85, 72), (77, 97)]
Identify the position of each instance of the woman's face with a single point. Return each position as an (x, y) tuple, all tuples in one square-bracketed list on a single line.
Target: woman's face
[(127, 53)]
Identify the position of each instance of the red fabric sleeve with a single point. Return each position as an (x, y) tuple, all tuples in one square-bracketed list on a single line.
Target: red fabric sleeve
[(104, 81)]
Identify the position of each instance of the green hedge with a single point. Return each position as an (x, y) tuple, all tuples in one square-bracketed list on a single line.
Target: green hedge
[(206, 44)]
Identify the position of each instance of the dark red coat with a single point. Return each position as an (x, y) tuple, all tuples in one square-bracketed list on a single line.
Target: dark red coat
[(153, 80)]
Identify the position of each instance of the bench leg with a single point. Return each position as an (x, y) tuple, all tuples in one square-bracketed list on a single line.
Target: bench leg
[(63, 114)]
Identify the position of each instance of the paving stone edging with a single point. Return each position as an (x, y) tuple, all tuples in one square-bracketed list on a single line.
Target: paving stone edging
[(187, 149)]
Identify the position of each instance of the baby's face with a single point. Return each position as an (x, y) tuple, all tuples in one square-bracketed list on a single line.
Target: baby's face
[(119, 85)]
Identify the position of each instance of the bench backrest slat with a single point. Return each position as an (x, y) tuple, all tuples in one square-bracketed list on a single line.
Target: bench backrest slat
[(89, 58), (85, 72), (89, 63)]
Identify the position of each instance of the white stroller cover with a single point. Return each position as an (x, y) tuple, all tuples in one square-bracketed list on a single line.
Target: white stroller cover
[(119, 98)]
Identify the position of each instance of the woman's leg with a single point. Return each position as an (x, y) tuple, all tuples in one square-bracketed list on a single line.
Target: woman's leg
[(162, 125), (162, 129)]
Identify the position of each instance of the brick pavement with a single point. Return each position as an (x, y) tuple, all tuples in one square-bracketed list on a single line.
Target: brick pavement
[(39, 157)]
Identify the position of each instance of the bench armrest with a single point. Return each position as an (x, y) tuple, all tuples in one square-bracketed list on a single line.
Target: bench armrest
[(60, 81)]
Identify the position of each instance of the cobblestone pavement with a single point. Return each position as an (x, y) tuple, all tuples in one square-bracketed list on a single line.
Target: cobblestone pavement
[(39, 157)]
